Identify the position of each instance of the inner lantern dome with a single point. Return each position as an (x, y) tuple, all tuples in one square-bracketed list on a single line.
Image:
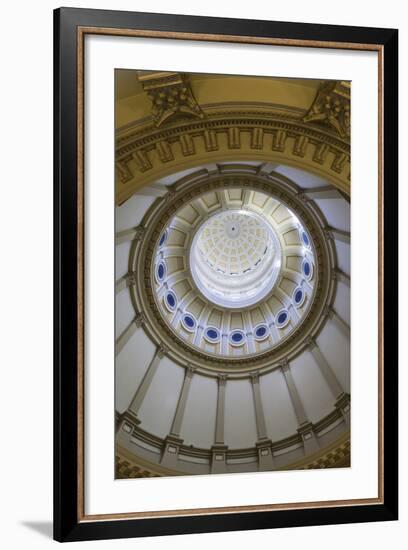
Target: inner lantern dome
[(235, 258)]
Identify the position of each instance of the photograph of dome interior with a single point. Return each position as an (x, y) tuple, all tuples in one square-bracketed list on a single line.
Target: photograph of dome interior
[(232, 291)]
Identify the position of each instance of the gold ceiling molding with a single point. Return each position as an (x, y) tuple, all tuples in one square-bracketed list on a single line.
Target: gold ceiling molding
[(125, 469), (144, 157), (191, 120)]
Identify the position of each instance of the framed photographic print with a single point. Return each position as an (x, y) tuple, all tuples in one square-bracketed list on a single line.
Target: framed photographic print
[(225, 274)]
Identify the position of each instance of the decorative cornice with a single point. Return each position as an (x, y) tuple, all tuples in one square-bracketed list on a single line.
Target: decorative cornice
[(139, 153), (139, 232)]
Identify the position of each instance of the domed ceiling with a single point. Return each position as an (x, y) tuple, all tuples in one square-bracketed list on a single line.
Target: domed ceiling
[(233, 282), (233, 272)]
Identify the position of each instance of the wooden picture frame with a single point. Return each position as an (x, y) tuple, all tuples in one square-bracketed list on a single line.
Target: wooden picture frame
[(71, 26)]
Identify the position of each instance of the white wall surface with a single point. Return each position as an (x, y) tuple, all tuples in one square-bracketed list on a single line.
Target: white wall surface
[(343, 256), (336, 212), (342, 302), (279, 414), (336, 349), (128, 374), (198, 426), (240, 424), (303, 179), (165, 389), (131, 212), (124, 311), (315, 393), (122, 259), (26, 218)]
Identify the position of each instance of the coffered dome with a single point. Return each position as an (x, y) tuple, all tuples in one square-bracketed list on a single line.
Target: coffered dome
[(234, 270), (235, 258)]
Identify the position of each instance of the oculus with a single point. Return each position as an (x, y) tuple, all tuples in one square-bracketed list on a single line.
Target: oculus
[(282, 318), (163, 238), (307, 269), (299, 296), (237, 338), (212, 335), (261, 332), (189, 322), (171, 300), (160, 271)]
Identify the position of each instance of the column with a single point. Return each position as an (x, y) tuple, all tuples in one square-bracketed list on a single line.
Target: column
[(219, 421), (264, 445), (182, 401), (219, 449), (173, 441), (128, 333), (259, 414), (144, 385), (130, 415), (305, 429), (294, 395), (325, 369), (338, 321)]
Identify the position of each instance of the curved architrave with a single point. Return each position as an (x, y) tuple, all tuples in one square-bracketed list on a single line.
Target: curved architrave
[(154, 222), (144, 157)]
